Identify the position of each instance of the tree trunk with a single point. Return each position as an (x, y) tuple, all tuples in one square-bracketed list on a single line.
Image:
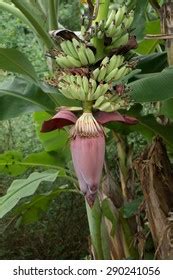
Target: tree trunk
[(156, 176)]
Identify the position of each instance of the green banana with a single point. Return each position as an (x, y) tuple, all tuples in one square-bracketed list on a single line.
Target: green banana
[(123, 40), (72, 49), (111, 75), (121, 72), (106, 107), (63, 62), (85, 84), (105, 60), (111, 17), (112, 63), (74, 62), (65, 48), (102, 73), (82, 55), (115, 62), (90, 55), (92, 88), (95, 73), (118, 32), (76, 44), (128, 20), (120, 15), (100, 91), (99, 101), (111, 30)]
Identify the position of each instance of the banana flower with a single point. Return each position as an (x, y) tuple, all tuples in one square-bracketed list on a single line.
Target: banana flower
[(87, 144)]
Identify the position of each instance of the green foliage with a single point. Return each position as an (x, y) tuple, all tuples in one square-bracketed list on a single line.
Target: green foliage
[(153, 63), (22, 188), (130, 209), (69, 14), (53, 141), (14, 163), (149, 46), (31, 211), (14, 61), (140, 18), (37, 19), (156, 87), (109, 213), (20, 96), (166, 108)]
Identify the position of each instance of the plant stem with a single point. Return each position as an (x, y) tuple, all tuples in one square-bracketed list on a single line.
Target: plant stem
[(94, 219), (52, 15)]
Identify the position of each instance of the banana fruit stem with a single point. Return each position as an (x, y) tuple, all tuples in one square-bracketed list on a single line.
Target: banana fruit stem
[(87, 106)]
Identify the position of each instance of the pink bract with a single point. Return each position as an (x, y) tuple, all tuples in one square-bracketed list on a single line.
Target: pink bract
[(88, 158), (104, 117), (61, 119)]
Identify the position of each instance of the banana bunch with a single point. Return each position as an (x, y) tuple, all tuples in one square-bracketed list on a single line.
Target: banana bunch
[(110, 104), (115, 27), (111, 69), (81, 88), (75, 54)]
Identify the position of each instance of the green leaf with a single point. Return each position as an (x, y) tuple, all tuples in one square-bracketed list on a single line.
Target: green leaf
[(147, 126), (109, 214), (140, 19), (22, 188), (18, 96), (148, 46), (155, 88), (56, 140), (131, 208), (13, 163), (14, 11), (31, 211), (167, 108), (14, 61), (45, 160), (153, 63), (34, 17)]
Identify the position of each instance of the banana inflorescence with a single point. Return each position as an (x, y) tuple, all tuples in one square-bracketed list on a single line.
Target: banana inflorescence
[(97, 84)]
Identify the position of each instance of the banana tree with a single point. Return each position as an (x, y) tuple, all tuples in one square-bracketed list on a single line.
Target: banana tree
[(94, 85)]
